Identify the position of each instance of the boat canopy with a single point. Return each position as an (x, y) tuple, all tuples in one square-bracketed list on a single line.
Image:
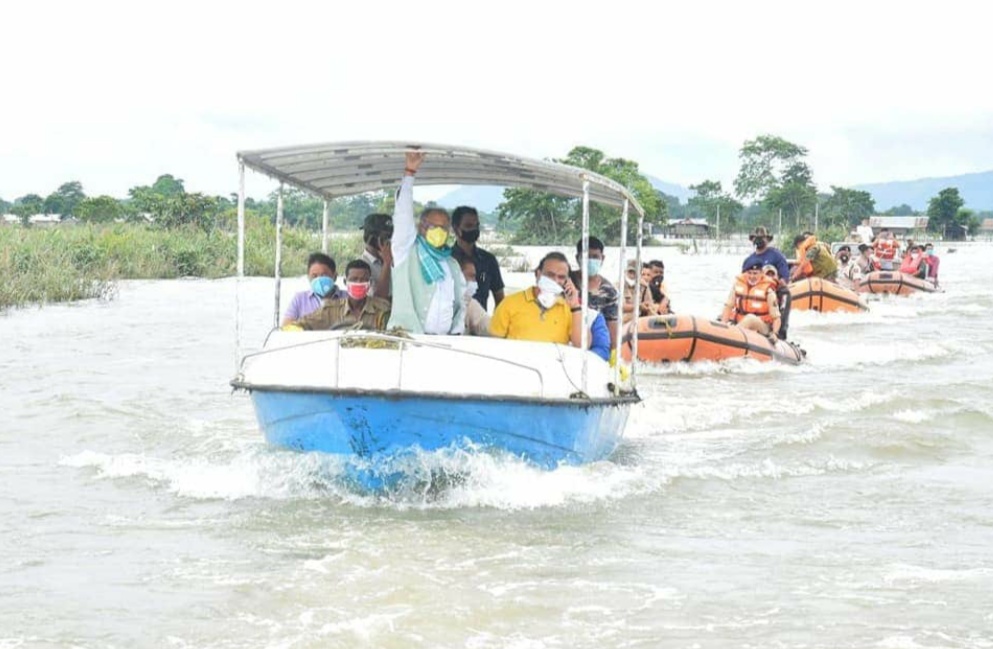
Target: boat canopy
[(347, 168)]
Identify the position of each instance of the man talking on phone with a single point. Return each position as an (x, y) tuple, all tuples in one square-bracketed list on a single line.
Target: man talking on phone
[(549, 311)]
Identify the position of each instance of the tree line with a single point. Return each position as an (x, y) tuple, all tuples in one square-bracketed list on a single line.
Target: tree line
[(166, 203), (776, 181), (774, 187)]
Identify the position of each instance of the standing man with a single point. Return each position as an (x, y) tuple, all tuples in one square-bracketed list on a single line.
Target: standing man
[(377, 231), (465, 222), (427, 282), (887, 248), (765, 254)]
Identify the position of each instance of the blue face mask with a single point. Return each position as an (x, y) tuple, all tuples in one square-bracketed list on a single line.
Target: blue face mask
[(593, 266), (321, 286)]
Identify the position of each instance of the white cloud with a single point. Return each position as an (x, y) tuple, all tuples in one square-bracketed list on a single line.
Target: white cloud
[(114, 93)]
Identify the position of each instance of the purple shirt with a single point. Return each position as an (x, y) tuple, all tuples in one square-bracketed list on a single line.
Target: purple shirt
[(306, 302)]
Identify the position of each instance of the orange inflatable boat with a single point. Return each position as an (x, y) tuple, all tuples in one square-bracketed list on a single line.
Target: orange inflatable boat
[(816, 294), (897, 283), (673, 338)]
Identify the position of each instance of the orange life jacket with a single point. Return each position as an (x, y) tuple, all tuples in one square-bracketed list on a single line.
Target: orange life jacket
[(752, 299), (886, 249)]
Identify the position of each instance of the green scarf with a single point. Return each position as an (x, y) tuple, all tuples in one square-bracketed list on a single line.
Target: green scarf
[(431, 259)]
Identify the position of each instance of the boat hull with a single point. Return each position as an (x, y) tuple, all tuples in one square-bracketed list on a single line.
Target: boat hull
[(816, 294), (895, 283), (686, 338), (374, 425)]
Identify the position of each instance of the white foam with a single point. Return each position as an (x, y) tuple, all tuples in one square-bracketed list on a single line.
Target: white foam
[(914, 416), (908, 572), (450, 478)]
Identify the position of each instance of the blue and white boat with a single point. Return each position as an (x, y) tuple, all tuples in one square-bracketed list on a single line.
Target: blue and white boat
[(364, 394)]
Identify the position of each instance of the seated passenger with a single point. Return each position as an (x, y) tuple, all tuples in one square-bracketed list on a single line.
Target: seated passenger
[(321, 273), (477, 320), (427, 284), (813, 259), (546, 312), (603, 295), (848, 270), (358, 309), (631, 281), (864, 262), (752, 303), (599, 335), (913, 263), (377, 232), (933, 262)]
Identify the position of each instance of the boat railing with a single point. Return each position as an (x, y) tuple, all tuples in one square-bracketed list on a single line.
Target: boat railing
[(402, 343)]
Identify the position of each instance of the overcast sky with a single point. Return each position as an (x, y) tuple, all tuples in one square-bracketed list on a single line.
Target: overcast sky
[(114, 94)]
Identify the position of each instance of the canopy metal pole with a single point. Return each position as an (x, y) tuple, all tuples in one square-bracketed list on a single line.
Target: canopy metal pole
[(324, 229), (279, 253), (241, 263), (622, 277), (585, 290), (637, 295)]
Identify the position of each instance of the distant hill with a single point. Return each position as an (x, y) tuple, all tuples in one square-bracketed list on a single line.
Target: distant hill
[(976, 189), (486, 198)]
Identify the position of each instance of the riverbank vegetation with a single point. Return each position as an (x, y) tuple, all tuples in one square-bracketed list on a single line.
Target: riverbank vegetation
[(62, 263)]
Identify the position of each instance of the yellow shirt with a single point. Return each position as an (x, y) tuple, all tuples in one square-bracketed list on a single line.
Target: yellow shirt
[(520, 317)]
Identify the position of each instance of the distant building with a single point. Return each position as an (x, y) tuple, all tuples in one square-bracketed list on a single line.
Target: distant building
[(900, 226), (688, 229), (986, 229)]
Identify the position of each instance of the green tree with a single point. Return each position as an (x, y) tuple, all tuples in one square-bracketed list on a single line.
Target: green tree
[(99, 209), (168, 186), (537, 217), (847, 207), (773, 172), (540, 218), (901, 210), (764, 163), (968, 220), (27, 206), (711, 200), (943, 209), (64, 200)]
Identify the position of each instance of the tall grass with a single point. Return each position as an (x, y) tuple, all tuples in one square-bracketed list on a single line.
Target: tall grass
[(63, 263)]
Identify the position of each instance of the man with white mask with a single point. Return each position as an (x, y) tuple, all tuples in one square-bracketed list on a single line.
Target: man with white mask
[(547, 312)]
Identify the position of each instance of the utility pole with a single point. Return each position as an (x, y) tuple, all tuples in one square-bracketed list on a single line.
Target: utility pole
[(817, 209), (780, 233)]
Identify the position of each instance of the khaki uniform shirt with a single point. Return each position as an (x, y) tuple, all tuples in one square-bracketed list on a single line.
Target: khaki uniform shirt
[(336, 313)]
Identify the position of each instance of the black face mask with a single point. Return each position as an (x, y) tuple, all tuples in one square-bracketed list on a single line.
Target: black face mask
[(470, 236), (844, 259), (759, 244)]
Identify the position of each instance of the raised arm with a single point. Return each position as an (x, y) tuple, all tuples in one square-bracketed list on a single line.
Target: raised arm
[(404, 227)]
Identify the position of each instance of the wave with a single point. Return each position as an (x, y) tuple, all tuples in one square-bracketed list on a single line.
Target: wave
[(444, 479)]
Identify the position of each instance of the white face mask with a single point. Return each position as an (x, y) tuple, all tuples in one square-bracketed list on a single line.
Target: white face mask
[(470, 290), (630, 281), (548, 291)]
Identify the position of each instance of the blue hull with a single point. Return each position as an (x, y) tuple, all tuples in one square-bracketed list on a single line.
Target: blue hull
[(371, 425)]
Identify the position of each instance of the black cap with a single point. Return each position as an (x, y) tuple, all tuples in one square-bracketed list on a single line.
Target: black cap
[(844, 248), (755, 265), (376, 223)]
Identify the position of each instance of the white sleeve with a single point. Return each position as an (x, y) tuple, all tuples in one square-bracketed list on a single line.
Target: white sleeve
[(404, 227)]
